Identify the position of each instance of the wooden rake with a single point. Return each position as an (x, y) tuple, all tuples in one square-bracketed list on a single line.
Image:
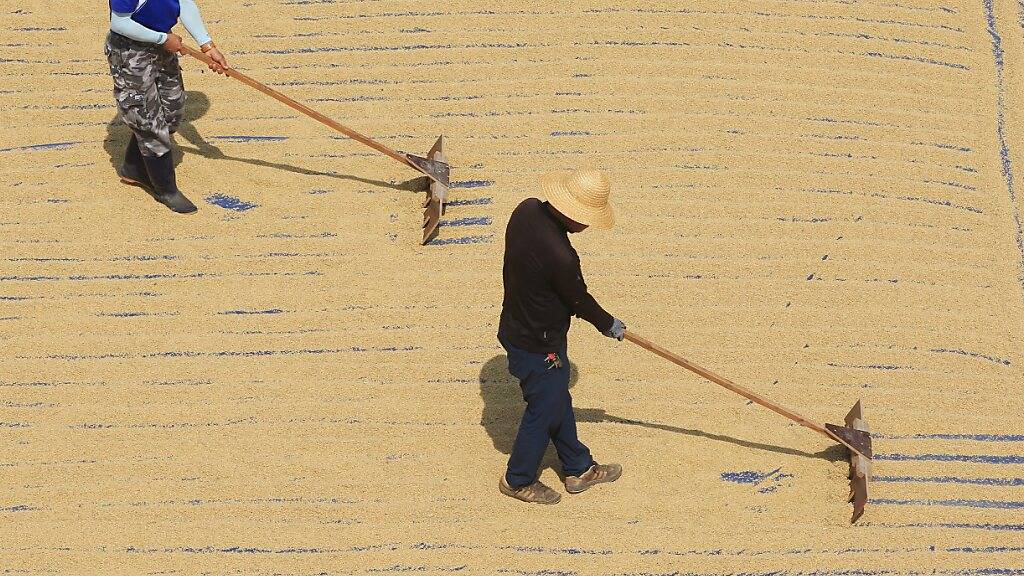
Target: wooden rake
[(854, 436), (434, 165)]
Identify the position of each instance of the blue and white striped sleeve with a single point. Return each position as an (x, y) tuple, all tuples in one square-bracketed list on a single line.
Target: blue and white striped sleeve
[(193, 22), (122, 23)]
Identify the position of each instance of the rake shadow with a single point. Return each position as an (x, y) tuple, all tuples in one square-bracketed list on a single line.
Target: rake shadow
[(196, 106), (503, 408)]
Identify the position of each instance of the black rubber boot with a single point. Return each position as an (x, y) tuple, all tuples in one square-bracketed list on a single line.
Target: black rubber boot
[(133, 170), (165, 188)]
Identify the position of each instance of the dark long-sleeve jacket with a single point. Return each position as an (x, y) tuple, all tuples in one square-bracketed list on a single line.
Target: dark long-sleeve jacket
[(544, 285)]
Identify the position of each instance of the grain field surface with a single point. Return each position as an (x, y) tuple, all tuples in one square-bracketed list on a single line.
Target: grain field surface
[(819, 199)]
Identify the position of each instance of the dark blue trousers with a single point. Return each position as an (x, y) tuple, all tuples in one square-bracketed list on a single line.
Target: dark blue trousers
[(548, 418)]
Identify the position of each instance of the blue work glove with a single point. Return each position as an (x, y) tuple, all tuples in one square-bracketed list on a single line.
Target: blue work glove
[(617, 331)]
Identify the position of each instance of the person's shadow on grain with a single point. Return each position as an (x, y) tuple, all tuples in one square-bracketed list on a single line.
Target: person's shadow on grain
[(504, 405), (197, 105)]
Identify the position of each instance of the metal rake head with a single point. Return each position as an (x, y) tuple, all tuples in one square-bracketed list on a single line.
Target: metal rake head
[(857, 435), (437, 170)]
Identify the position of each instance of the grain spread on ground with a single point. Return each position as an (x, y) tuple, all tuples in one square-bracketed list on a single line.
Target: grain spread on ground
[(820, 200)]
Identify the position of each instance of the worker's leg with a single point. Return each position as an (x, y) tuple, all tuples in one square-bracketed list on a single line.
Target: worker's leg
[(575, 456), (171, 88), (545, 407), (135, 68)]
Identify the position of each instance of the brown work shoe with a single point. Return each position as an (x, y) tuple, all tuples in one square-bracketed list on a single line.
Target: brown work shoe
[(536, 493), (597, 474)]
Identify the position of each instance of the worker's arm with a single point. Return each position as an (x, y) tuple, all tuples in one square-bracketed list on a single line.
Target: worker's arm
[(193, 22), (567, 279), (122, 23)]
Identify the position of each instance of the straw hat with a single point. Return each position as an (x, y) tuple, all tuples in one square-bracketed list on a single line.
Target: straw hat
[(581, 195)]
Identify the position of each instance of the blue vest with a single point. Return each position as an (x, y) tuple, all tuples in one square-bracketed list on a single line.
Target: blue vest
[(159, 15)]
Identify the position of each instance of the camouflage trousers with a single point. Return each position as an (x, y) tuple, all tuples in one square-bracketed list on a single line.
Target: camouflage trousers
[(148, 89)]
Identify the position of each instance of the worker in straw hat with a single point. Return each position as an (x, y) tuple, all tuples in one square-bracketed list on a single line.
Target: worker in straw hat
[(544, 287)]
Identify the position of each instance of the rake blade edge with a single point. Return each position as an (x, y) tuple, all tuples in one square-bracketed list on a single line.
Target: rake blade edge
[(436, 167), (857, 434)]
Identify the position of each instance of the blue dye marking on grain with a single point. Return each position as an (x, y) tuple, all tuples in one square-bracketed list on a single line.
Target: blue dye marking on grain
[(916, 59), (35, 147), (1004, 147), (993, 359), (985, 550), (152, 276), (972, 458), (471, 184), (18, 508), (230, 202), (964, 526), (246, 312), (547, 572), (350, 99), (755, 478), (27, 278), (938, 203), (866, 366), (287, 235), (995, 504), (138, 276), (952, 184), (470, 202), (744, 477), (950, 480), (569, 551), (944, 146), (250, 138), (463, 240), (636, 43), (358, 49), (975, 437), (143, 258), (838, 121), (238, 353), (473, 221)]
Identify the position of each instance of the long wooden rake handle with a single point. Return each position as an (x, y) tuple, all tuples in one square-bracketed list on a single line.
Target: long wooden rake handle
[(303, 108), (728, 384)]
